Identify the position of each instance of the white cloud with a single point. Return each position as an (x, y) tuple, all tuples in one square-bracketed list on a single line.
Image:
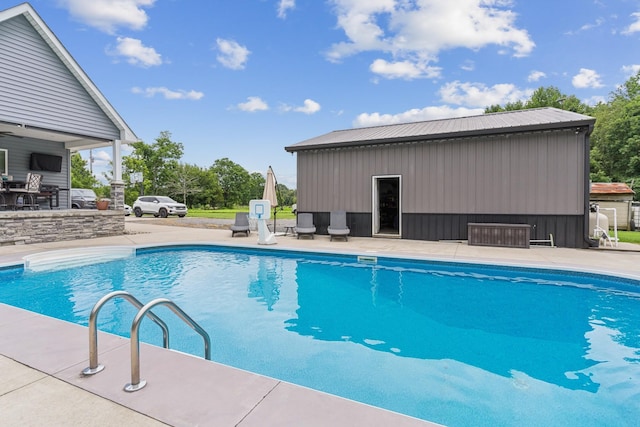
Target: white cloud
[(150, 92), (403, 70), (586, 78), (586, 27), (253, 104), (468, 65), (284, 6), (358, 20), (136, 53), (635, 26), (101, 158), (232, 55), (417, 31), (479, 95), (108, 15), (535, 75), (595, 100), (309, 107), (414, 115), (631, 70)]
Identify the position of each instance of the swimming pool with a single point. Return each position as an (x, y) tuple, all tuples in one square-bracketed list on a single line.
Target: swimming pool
[(452, 343)]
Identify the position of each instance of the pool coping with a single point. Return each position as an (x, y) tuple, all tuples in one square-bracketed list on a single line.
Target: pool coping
[(200, 392), (516, 265)]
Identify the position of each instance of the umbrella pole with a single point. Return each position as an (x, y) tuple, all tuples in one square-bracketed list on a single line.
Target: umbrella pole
[(275, 212)]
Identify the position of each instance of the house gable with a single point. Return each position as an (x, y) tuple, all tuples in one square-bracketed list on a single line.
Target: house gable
[(43, 88)]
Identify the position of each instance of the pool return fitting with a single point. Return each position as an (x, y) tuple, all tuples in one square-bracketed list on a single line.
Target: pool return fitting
[(136, 383)]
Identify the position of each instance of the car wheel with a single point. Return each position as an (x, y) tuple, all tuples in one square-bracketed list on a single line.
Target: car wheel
[(137, 212), (163, 213), (181, 216)]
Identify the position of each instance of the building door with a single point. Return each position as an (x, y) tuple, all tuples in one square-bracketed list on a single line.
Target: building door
[(387, 206)]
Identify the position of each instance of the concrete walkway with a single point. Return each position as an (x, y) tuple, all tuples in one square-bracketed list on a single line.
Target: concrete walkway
[(40, 358)]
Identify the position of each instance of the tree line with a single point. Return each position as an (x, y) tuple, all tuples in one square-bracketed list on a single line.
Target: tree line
[(225, 184), (615, 140)]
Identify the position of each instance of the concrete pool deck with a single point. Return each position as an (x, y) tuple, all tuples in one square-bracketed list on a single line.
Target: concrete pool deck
[(41, 358)]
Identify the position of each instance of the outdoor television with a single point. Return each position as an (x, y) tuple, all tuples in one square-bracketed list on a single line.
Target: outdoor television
[(4, 161), (45, 162)]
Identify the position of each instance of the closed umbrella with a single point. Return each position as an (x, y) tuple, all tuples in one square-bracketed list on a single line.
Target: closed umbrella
[(270, 193)]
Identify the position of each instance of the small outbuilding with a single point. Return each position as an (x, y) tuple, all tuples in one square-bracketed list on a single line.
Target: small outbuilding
[(614, 195), (430, 180)]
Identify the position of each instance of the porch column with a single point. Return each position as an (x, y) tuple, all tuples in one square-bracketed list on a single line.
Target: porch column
[(117, 185), (117, 195), (117, 160)]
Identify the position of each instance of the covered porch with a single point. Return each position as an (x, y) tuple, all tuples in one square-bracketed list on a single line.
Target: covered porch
[(49, 109)]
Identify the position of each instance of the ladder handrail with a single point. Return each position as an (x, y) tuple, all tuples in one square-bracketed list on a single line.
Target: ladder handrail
[(136, 383), (94, 367)]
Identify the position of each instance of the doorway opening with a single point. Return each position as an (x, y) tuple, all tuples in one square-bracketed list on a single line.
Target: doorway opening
[(387, 212)]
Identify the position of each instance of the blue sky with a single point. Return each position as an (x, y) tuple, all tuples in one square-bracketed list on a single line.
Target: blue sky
[(244, 78)]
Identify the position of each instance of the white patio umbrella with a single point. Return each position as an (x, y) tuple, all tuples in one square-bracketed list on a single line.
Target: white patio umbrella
[(270, 193)]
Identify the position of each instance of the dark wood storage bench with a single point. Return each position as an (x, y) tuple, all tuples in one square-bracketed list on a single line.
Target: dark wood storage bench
[(506, 235)]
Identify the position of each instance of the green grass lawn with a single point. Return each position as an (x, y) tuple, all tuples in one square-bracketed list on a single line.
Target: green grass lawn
[(231, 213), (629, 236)]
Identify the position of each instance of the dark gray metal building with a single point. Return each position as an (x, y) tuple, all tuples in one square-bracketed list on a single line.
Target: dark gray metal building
[(429, 180)]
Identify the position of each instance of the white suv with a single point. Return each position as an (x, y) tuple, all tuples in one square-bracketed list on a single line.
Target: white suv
[(158, 206)]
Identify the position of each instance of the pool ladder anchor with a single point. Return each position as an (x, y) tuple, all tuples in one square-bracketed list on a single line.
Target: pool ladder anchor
[(144, 310)]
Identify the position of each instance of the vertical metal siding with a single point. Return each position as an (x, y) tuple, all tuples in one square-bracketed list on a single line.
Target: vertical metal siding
[(539, 173), (566, 229), (37, 89)]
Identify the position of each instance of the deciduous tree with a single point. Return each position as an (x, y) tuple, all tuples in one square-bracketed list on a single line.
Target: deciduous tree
[(81, 177), (616, 137), (233, 180), (158, 162)]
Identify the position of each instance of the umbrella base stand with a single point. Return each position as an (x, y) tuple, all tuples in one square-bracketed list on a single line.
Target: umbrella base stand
[(265, 237)]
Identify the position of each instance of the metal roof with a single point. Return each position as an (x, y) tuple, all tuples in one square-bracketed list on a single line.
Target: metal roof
[(610, 188), (535, 119)]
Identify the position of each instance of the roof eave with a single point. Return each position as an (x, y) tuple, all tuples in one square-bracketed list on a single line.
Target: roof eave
[(578, 124)]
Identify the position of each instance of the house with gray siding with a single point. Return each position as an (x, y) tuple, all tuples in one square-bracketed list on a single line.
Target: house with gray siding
[(50, 107), (430, 180)]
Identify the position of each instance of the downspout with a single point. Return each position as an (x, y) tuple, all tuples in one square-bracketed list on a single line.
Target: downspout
[(588, 242)]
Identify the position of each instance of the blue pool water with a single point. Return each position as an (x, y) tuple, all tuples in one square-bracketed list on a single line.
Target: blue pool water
[(458, 344)]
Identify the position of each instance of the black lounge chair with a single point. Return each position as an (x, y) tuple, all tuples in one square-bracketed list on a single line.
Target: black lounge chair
[(305, 225), (338, 226), (241, 224)]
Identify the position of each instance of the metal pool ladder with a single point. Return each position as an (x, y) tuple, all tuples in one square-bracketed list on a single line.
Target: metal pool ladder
[(136, 383)]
